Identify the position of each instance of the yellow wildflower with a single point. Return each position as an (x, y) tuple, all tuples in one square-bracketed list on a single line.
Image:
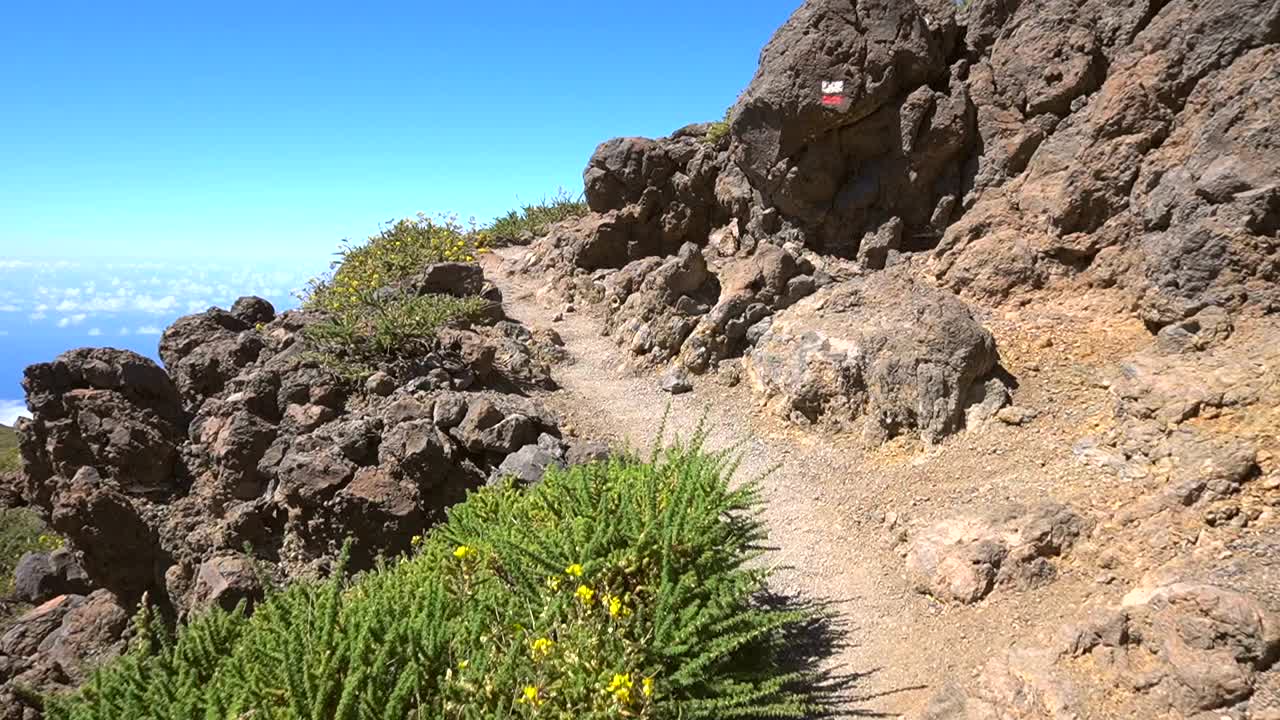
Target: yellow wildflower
[(553, 582), (584, 594), (621, 686), (615, 607), (646, 687), (416, 540), (530, 696), (574, 570), (463, 552), (541, 647), (462, 665)]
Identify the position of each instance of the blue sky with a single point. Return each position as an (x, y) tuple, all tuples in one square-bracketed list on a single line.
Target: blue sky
[(205, 129), (245, 140)]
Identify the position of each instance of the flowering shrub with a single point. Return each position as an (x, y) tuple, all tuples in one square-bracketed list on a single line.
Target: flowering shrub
[(366, 318), (613, 590), (393, 255)]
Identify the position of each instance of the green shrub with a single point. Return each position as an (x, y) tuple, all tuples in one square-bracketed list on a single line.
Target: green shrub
[(719, 130), (10, 461), (357, 338), (366, 320), (393, 255), (21, 532), (534, 219), (613, 590)]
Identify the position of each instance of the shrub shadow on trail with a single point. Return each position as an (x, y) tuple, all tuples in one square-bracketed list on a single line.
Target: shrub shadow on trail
[(811, 644)]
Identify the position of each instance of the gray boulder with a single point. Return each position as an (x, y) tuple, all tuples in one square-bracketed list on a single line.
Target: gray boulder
[(527, 465), (888, 352), (41, 576)]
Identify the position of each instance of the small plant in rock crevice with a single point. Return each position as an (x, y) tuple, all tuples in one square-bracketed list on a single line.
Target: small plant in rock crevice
[(719, 130)]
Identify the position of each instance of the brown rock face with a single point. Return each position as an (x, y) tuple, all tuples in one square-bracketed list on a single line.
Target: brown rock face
[(1147, 161), (963, 559)]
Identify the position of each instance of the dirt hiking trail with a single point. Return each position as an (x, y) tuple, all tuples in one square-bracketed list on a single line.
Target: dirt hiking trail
[(836, 511)]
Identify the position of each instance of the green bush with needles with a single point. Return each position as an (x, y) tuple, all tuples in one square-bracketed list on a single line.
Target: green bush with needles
[(621, 589)]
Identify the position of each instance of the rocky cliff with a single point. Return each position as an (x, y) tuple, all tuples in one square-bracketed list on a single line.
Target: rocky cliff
[(989, 149)]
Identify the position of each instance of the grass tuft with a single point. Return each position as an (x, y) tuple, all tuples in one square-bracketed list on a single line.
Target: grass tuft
[(534, 219), (719, 130)]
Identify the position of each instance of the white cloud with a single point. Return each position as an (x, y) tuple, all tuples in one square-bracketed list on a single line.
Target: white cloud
[(148, 330), (95, 332), (123, 331), (11, 410), (9, 308), (148, 304), (72, 320), (37, 315)]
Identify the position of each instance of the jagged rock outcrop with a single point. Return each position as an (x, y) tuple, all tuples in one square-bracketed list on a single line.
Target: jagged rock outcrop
[(854, 121), (159, 484), (1150, 164), (999, 147)]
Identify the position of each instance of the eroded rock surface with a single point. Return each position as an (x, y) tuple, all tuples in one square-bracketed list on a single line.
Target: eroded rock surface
[(963, 559), (889, 353)]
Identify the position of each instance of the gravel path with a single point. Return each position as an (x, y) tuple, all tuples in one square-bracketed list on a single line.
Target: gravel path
[(827, 500)]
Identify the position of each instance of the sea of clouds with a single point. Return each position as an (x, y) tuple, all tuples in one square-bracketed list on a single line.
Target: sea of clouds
[(50, 306)]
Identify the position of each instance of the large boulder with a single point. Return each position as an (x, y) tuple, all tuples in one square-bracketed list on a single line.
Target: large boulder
[(853, 119), (1190, 646), (887, 352), (112, 410)]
